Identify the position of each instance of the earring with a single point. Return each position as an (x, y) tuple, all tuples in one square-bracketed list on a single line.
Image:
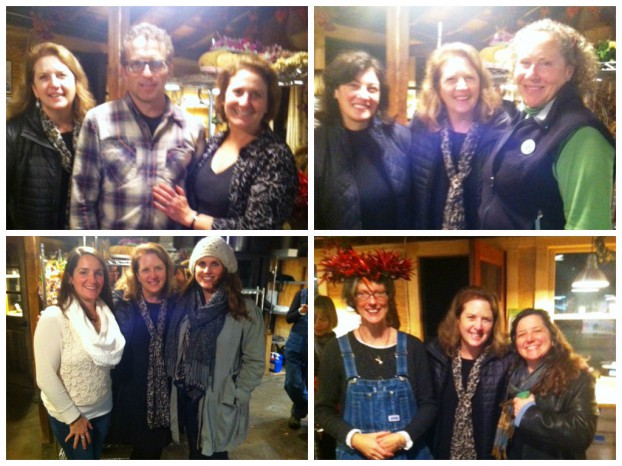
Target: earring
[(38, 103)]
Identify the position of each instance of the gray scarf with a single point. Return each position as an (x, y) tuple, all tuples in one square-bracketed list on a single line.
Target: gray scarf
[(195, 371), (453, 214), (462, 440)]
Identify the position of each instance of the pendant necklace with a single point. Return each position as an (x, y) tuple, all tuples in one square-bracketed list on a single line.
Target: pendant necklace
[(376, 357)]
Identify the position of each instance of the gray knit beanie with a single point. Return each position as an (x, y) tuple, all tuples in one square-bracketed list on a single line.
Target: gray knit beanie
[(217, 247)]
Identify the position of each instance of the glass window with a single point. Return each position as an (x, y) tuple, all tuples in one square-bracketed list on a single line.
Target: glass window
[(586, 318)]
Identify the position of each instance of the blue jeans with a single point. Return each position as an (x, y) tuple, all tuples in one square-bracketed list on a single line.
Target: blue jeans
[(94, 449), (296, 373)]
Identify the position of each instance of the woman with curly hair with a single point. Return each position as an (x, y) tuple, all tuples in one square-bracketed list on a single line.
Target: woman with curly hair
[(554, 169), (470, 362), (458, 120), (361, 155), (551, 410)]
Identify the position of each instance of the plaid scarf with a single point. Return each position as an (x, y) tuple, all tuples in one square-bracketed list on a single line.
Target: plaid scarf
[(453, 214), (520, 380)]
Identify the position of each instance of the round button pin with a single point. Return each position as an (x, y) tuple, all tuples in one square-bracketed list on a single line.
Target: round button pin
[(528, 146)]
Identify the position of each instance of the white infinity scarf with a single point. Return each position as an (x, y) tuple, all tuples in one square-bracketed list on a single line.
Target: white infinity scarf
[(106, 347)]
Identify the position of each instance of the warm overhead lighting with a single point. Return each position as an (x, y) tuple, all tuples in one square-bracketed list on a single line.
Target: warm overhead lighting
[(591, 278)]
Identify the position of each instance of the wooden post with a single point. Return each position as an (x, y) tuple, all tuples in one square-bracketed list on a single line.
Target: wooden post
[(32, 270), (118, 25), (397, 34), (319, 45)]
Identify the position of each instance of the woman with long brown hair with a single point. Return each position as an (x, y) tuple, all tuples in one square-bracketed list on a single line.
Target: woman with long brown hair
[(76, 344), (470, 362), (215, 354), (551, 410), (42, 132)]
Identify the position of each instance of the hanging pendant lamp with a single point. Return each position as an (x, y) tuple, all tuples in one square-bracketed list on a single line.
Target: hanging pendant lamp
[(591, 278)]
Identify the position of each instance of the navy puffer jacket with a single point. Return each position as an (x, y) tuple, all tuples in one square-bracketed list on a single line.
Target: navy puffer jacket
[(492, 386), (337, 202)]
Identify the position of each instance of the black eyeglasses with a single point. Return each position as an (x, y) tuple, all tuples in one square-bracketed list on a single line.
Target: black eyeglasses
[(137, 66)]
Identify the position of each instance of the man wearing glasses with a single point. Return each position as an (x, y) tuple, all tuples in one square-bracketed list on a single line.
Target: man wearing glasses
[(129, 145)]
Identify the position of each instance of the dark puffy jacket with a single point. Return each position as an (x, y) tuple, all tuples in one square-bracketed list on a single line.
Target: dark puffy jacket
[(492, 386), (127, 405), (34, 175), (521, 192), (558, 426), (430, 181), (337, 203)]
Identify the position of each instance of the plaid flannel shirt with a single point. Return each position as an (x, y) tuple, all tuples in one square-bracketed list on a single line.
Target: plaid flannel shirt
[(118, 162)]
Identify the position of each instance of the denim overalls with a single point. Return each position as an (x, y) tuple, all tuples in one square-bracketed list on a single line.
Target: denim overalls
[(379, 405)]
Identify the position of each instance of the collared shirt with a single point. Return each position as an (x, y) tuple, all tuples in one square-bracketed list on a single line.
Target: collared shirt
[(118, 162)]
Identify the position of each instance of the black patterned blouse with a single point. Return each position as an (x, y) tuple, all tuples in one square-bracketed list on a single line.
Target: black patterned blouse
[(263, 185)]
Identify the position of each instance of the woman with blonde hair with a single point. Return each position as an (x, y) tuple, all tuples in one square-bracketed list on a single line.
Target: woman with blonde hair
[(41, 135), (470, 362), (458, 119), (143, 308)]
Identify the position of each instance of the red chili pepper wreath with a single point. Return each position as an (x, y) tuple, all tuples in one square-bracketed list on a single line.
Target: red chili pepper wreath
[(372, 266)]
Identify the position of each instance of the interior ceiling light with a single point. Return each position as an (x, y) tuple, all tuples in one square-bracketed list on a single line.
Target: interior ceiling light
[(591, 278)]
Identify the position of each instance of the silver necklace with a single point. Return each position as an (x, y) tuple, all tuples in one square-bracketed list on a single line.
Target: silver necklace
[(376, 357)]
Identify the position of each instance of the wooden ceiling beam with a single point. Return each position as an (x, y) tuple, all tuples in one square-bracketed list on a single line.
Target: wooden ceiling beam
[(356, 35)]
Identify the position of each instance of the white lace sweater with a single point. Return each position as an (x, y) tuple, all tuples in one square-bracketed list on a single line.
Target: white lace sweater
[(71, 384)]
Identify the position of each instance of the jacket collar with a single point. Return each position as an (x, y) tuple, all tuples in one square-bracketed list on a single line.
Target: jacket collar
[(566, 96), (33, 129)]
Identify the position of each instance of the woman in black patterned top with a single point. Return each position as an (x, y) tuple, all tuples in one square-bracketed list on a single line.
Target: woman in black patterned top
[(246, 178)]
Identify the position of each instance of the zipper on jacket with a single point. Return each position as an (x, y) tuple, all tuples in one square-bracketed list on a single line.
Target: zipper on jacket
[(537, 222)]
